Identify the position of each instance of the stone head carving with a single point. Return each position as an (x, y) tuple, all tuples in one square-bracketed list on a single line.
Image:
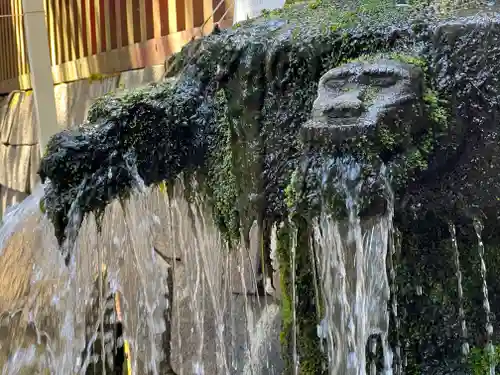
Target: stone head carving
[(355, 98)]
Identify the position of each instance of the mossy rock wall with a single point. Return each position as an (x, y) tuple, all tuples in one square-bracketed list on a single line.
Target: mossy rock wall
[(231, 116)]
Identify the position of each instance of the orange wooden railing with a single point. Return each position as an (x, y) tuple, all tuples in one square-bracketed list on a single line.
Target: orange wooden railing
[(94, 37)]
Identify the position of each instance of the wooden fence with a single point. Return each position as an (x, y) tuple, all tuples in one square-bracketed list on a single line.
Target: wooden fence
[(94, 37)]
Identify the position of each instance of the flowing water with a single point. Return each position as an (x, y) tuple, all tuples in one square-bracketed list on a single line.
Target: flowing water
[(51, 312), (351, 256), (478, 227), (216, 327), (458, 273)]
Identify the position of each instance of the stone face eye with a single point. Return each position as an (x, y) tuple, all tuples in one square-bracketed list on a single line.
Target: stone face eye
[(336, 84), (379, 79)]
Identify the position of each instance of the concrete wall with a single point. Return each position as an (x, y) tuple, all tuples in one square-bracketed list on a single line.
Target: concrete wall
[(19, 151)]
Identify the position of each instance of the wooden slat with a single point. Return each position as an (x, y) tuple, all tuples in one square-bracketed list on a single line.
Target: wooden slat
[(3, 43), (79, 29), (118, 17), (172, 16), (72, 36), (188, 14), (136, 4), (51, 23), (130, 21), (197, 13), (208, 9), (164, 17), (17, 40), (57, 28), (157, 12), (63, 21), (107, 24), (97, 21), (142, 20), (88, 27), (10, 45), (26, 60), (150, 23)]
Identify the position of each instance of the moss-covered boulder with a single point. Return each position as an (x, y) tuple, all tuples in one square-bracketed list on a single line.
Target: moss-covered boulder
[(235, 113)]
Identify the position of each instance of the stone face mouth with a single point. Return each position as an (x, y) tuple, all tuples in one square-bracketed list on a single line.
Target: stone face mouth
[(333, 130), (338, 122)]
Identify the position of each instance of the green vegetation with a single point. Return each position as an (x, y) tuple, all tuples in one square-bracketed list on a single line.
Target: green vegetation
[(481, 359), (293, 249), (100, 77), (231, 121)]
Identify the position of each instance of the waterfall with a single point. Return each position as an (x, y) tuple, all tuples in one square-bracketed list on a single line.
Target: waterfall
[(216, 328), (351, 255), (356, 290)]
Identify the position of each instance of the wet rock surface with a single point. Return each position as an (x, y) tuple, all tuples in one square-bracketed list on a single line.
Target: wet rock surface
[(233, 116)]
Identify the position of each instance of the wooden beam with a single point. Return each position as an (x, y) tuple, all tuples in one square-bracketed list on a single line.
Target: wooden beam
[(107, 24), (208, 16), (172, 16), (16, 12), (79, 28), (72, 39), (88, 28), (156, 19), (143, 20), (3, 42), (97, 21), (63, 22), (51, 24), (11, 52), (118, 17), (58, 30), (130, 21), (189, 14)]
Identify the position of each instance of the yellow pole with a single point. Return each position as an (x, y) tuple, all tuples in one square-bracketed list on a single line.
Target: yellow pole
[(41, 73), (126, 346)]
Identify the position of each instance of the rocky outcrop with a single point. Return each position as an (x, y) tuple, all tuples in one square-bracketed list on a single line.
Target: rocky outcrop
[(236, 115)]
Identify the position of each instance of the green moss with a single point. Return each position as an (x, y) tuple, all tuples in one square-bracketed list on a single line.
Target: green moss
[(337, 15), (221, 182), (386, 139), (100, 77), (293, 241), (480, 359), (283, 252)]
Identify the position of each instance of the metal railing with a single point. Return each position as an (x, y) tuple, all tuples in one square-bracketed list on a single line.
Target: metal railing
[(93, 37)]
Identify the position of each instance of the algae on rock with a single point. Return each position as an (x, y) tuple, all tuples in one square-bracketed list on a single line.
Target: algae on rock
[(231, 118)]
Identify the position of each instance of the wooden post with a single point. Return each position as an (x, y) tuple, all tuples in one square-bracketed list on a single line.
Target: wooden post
[(41, 73)]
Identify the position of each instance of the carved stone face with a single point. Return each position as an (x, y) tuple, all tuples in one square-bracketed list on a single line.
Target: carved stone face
[(355, 98)]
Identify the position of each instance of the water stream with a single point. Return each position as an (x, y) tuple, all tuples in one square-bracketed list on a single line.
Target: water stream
[(58, 320), (352, 255), (217, 327), (478, 227)]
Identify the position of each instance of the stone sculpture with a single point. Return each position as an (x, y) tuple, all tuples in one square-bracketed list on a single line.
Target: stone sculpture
[(419, 96), (355, 98)]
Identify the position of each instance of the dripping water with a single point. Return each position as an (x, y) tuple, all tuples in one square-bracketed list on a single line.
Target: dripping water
[(478, 227), (394, 250), (458, 274)]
